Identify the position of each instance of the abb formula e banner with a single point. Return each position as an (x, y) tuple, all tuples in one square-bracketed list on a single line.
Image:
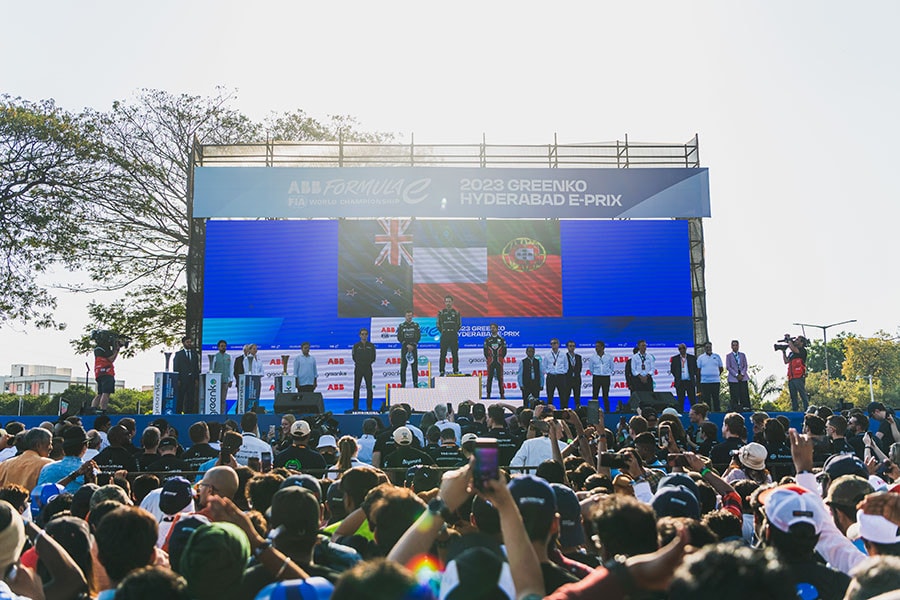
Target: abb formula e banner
[(429, 192)]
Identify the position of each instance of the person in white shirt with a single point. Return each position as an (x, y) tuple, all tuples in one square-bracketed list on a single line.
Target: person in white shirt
[(643, 367), (536, 450), (710, 366), (601, 367), (443, 422), (251, 446), (555, 367), (7, 449), (366, 442)]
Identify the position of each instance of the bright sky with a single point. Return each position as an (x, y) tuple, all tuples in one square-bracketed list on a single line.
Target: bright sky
[(796, 105)]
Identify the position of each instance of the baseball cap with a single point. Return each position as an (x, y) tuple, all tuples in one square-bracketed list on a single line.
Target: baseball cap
[(223, 478), (846, 491), (787, 505), (476, 567), (295, 510), (43, 494), (423, 478), (535, 499), (73, 436), (214, 559), (305, 481), (178, 537), (168, 442), (753, 456), (675, 501), (571, 529), (109, 492), (327, 441), (845, 464), (403, 436), (176, 496), (469, 437), (679, 479), (312, 588), (300, 429), (670, 411), (232, 441), (877, 529)]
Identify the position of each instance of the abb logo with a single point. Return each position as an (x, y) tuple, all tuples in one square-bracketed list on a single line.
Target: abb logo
[(272, 388), (620, 385), (621, 359), (275, 361), (332, 387), (393, 385), (392, 360), (423, 372), (510, 385), (388, 330), (482, 372), (509, 359), (335, 361)]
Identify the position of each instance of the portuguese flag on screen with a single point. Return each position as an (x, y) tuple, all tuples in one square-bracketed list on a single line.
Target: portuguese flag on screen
[(524, 269)]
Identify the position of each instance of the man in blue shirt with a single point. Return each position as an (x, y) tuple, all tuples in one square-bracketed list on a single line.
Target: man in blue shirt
[(74, 445), (305, 371)]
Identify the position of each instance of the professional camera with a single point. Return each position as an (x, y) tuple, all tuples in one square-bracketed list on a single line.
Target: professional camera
[(106, 338), (782, 344)]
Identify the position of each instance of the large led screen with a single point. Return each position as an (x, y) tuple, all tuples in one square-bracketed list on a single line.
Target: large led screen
[(278, 283)]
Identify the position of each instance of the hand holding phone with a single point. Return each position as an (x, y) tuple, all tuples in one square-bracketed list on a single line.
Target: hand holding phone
[(487, 462)]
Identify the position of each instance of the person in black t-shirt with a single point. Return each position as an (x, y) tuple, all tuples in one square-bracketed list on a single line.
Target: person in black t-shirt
[(448, 454), (298, 456), (200, 450), (507, 444), (116, 456), (167, 459), (150, 443), (404, 456), (384, 441)]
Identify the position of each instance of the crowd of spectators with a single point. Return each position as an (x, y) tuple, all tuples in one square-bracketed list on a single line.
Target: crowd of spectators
[(654, 506)]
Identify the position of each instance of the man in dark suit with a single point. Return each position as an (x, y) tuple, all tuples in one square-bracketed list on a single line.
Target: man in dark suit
[(530, 378), (683, 367), (573, 377), (187, 365)]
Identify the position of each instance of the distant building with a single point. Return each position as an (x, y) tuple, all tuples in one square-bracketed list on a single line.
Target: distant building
[(35, 380)]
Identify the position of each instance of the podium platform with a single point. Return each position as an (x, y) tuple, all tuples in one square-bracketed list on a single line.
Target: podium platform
[(446, 389)]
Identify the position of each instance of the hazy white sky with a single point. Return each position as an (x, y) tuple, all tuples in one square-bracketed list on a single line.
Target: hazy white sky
[(796, 104)]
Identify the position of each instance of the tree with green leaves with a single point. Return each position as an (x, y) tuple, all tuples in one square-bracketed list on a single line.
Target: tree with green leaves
[(51, 164), (142, 233), (836, 350)]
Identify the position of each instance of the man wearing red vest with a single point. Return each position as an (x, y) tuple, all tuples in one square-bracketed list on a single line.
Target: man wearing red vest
[(796, 362)]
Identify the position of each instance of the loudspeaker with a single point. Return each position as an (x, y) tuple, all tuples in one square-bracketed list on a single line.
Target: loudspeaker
[(658, 400), (304, 403)]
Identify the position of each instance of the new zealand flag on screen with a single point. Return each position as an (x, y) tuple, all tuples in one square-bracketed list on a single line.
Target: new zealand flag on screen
[(375, 268), (491, 268)]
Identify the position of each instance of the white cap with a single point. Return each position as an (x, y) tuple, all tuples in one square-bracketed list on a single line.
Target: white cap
[(300, 429), (327, 441), (671, 411), (790, 504), (877, 529), (402, 435), (469, 437)]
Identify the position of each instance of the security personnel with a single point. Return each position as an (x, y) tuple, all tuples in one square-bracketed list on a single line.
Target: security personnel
[(449, 323), (409, 334), (363, 357), (494, 353)]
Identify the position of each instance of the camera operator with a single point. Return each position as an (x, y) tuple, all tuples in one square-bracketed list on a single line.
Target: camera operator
[(796, 362), (105, 354)]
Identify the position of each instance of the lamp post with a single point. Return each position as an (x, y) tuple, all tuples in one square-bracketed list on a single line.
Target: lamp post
[(824, 329)]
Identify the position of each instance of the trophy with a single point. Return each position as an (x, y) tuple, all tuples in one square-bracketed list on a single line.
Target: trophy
[(212, 359), (168, 356), (284, 363)]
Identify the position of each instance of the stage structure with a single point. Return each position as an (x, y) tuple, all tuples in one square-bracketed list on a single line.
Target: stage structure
[(310, 242)]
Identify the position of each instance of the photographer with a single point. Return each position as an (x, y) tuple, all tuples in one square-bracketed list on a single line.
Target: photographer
[(105, 354), (796, 362)]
